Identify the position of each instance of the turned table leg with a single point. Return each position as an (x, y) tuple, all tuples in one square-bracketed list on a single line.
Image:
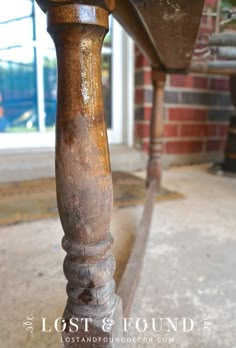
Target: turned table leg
[(83, 175), (156, 128)]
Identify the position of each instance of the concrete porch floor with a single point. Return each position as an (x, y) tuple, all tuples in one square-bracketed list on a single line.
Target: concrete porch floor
[(189, 269)]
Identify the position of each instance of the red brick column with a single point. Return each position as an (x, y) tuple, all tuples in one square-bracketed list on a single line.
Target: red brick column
[(143, 100)]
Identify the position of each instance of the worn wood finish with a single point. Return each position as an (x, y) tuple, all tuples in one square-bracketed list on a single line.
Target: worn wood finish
[(83, 175), (130, 278), (45, 5), (156, 127), (126, 14), (173, 27)]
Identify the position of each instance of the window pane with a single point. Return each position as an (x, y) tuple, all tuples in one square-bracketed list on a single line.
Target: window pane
[(23, 28), (107, 75), (17, 90), (107, 90), (12, 9), (50, 88), (18, 84), (18, 110)]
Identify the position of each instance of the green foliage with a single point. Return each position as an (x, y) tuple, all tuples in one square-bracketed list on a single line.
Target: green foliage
[(228, 3)]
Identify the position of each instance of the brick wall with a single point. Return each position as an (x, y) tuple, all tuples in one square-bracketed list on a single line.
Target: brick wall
[(197, 111)]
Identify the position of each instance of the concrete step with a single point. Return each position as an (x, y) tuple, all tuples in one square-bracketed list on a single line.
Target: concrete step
[(22, 164)]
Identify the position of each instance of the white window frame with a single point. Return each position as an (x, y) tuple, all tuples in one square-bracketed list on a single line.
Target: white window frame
[(122, 101), (122, 87)]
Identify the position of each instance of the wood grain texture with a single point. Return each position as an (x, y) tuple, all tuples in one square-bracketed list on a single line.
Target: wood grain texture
[(156, 128), (45, 5), (173, 26), (130, 19), (166, 32), (83, 175)]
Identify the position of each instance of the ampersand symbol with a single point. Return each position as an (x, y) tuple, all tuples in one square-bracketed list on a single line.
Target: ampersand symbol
[(107, 325)]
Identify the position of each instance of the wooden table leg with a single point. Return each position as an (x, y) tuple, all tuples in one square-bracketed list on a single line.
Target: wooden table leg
[(156, 128), (83, 175)]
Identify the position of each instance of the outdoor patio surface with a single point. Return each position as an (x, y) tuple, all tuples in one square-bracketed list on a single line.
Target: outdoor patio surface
[(189, 269), (190, 265)]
